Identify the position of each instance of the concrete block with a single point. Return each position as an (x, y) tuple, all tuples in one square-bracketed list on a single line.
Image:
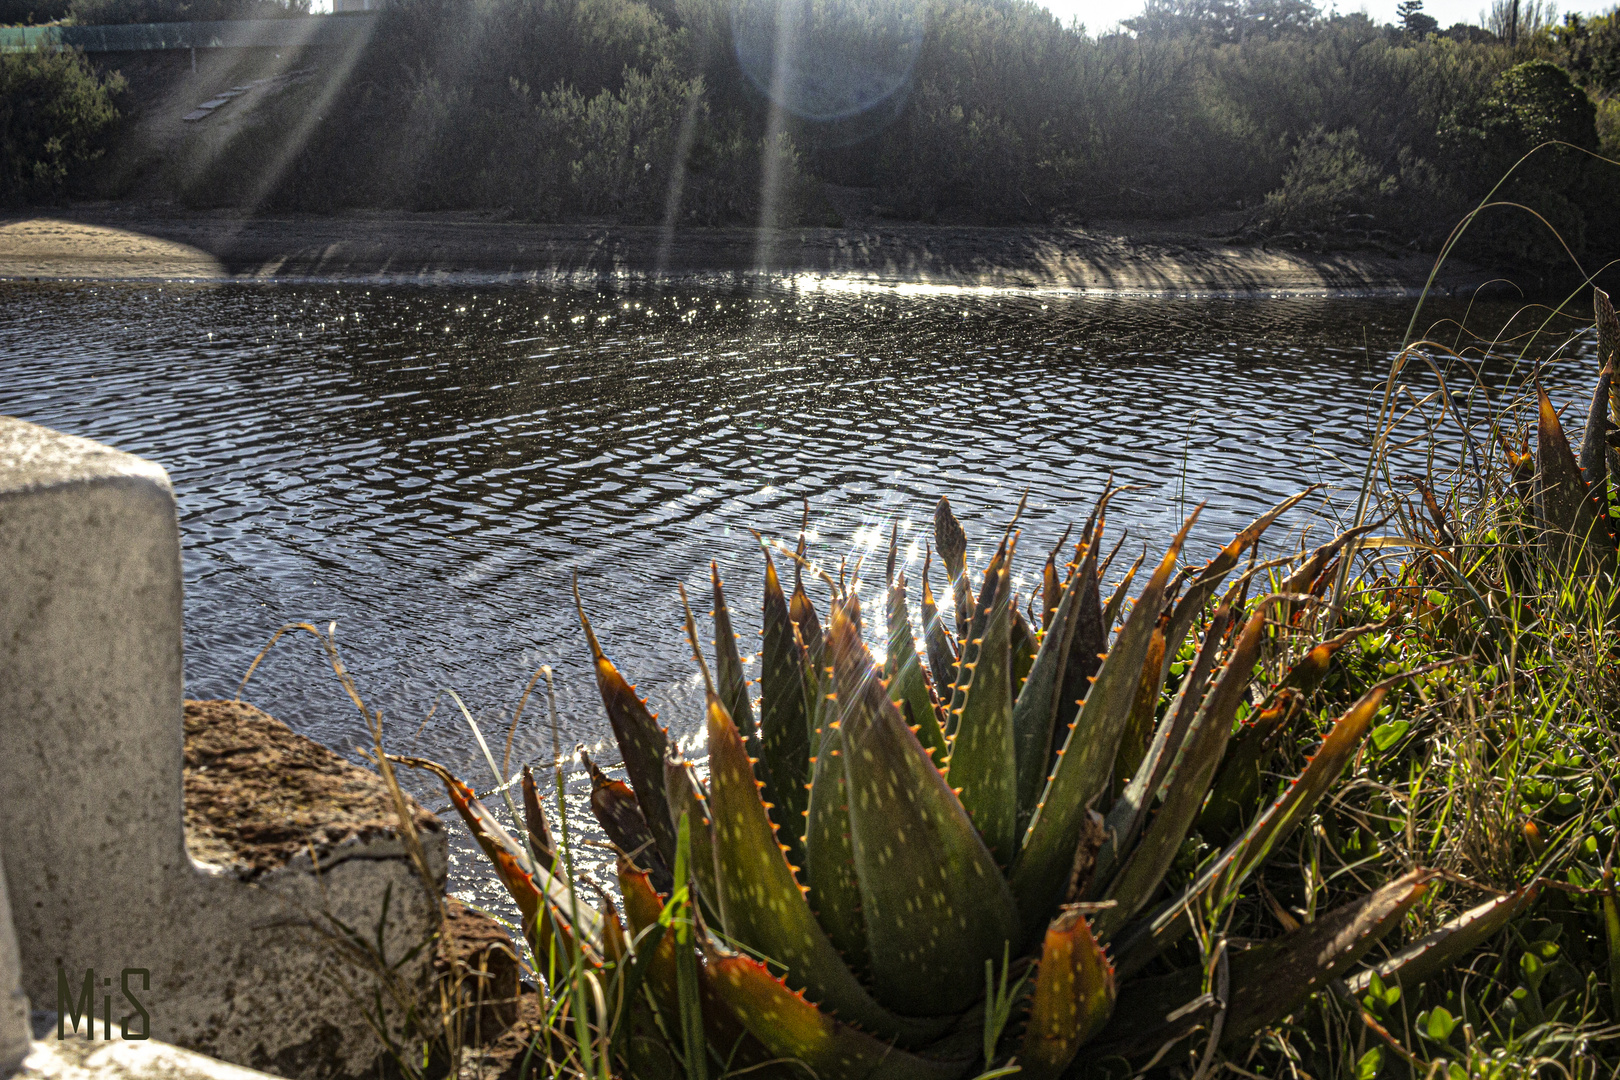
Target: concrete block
[(244, 966)]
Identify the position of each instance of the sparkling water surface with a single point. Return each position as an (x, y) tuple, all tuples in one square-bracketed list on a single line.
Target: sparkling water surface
[(431, 466)]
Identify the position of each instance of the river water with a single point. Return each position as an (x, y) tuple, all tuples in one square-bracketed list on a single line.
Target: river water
[(431, 466)]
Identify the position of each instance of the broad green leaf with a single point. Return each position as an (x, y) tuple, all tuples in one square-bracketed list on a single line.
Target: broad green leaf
[(941, 652), (1207, 580), (730, 681), (1575, 528), (1237, 786), (1130, 810), (829, 856), (1185, 785), (1437, 1024), (793, 1029), (641, 739), (1385, 736), (784, 723), (1086, 762), (764, 906), (1074, 997), (1368, 1064), (908, 682), (935, 904), (1420, 961), (1036, 710), (983, 767), (1217, 885), (614, 806)]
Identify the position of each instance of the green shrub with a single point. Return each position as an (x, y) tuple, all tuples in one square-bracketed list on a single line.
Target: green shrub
[(53, 112), (107, 12), (31, 12), (1328, 181)]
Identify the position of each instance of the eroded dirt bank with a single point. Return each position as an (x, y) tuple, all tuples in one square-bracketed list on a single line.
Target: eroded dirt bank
[(123, 242)]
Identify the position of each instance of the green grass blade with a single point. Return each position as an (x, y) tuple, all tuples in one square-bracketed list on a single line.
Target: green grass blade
[(1086, 762), (914, 845), (1073, 1000), (983, 766)]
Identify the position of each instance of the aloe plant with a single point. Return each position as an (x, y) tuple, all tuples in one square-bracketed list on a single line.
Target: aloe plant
[(933, 861)]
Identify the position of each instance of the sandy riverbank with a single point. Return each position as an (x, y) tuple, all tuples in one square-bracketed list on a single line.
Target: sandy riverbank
[(132, 243)]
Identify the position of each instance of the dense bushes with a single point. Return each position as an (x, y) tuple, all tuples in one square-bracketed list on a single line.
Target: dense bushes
[(1326, 127), (53, 110)]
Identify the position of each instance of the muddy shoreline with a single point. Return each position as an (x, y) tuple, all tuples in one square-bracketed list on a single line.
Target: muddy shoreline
[(122, 242)]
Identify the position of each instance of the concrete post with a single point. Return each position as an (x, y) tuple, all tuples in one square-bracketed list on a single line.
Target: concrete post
[(103, 892)]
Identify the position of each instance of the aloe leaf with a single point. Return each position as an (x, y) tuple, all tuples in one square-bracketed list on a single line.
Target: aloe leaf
[(1217, 885), (1085, 651), (1116, 602), (1575, 522), (1608, 334), (1208, 579), (784, 723), (1185, 785), (803, 612), (1085, 764), (1130, 810), (793, 1029), (641, 738), (973, 634), (834, 895), (1036, 710), (1272, 980), (1594, 460), (765, 907), (1024, 646), (544, 900), (644, 910), (686, 796), (941, 653), (1268, 980), (951, 543), (534, 820), (934, 902), (983, 767), (1073, 999), (1133, 742), (908, 682), (1436, 951), (730, 681), (614, 806), (1238, 782)]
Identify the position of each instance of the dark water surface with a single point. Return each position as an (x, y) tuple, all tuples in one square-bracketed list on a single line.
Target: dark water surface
[(430, 465)]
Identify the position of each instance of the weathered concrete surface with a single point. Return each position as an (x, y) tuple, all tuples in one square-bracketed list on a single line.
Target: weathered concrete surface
[(251, 968)]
